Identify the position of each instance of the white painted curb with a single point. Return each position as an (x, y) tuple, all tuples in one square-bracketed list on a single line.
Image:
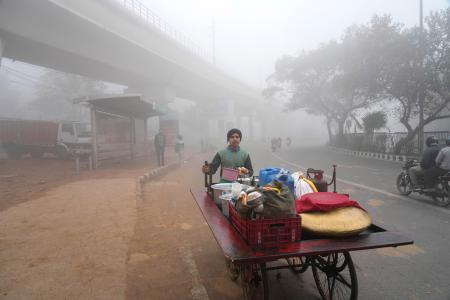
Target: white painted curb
[(374, 155)]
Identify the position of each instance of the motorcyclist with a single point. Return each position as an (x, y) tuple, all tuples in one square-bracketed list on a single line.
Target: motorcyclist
[(427, 166), (443, 159), (288, 141)]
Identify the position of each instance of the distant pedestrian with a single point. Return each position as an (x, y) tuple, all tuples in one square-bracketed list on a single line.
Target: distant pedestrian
[(288, 141), (160, 145), (274, 144), (179, 147), (203, 145)]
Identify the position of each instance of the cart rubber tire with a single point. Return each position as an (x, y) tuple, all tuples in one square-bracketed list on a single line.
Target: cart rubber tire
[(233, 270), (404, 188), (335, 276)]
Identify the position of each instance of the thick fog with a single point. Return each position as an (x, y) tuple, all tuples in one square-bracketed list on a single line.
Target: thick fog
[(245, 39)]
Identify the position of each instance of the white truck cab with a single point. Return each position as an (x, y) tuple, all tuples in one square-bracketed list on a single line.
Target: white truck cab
[(75, 137)]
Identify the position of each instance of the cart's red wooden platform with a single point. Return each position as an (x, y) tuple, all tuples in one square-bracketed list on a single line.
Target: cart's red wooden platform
[(236, 249)]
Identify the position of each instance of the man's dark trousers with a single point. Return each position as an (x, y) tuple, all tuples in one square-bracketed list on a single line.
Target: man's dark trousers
[(160, 155)]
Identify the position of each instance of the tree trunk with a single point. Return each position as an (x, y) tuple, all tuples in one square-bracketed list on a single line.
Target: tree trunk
[(330, 134), (340, 136)]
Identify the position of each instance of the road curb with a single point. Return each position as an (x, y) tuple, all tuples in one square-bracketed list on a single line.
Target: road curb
[(152, 175), (374, 155)]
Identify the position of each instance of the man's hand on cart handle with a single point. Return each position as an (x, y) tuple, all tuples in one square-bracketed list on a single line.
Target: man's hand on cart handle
[(242, 170), (205, 169)]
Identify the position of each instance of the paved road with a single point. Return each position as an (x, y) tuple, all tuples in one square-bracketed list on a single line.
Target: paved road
[(419, 271)]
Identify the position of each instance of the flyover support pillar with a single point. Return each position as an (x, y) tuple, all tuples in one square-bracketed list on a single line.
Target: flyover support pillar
[(264, 131), (239, 122), (251, 131), (2, 47)]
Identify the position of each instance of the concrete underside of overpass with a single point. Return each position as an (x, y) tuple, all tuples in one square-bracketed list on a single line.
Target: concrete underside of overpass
[(101, 40)]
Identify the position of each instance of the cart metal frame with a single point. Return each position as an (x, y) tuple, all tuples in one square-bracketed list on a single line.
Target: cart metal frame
[(330, 260)]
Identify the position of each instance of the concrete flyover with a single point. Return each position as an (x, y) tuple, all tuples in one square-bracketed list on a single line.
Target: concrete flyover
[(103, 40)]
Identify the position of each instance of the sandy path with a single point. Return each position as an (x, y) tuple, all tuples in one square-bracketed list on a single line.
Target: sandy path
[(70, 244), (173, 254)]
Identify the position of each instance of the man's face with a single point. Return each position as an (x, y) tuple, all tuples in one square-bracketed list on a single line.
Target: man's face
[(234, 140)]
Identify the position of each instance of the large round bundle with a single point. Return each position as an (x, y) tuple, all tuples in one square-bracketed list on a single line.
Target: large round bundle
[(341, 222)]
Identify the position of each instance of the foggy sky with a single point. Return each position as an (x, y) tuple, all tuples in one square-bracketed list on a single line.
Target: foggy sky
[(252, 34)]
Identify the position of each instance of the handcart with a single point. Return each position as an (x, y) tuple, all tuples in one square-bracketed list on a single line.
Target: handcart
[(329, 258)]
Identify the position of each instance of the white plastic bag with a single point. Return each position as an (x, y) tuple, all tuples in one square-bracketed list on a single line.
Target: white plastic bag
[(302, 185)]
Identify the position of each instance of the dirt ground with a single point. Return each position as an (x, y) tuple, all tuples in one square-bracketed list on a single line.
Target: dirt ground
[(173, 254), (70, 243), (27, 178), (68, 236)]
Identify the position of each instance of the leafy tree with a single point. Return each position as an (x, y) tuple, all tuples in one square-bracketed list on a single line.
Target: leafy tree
[(373, 121), (337, 78), (57, 91), (305, 81), (9, 106), (404, 77)]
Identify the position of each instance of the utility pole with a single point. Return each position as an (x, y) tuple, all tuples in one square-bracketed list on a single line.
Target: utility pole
[(421, 80), (213, 28)]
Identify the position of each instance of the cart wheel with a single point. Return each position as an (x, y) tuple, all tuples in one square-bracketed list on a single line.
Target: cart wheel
[(335, 276), (233, 270), (298, 264), (254, 281)]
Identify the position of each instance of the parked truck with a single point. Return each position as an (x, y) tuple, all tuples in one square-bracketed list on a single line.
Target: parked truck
[(36, 137)]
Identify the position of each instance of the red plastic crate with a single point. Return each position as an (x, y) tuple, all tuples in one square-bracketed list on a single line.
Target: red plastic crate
[(266, 233)]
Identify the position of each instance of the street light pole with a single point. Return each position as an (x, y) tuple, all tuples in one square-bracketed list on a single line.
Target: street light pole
[(213, 28), (421, 81)]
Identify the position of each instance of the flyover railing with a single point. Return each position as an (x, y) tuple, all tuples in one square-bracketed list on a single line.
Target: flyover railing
[(149, 17)]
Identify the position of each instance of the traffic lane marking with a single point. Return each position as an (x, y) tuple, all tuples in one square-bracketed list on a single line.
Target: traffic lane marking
[(401, 251), (198, 290), (375, 202), (372, 189)]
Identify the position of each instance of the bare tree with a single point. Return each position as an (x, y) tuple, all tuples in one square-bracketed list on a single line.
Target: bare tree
[(57, 91)]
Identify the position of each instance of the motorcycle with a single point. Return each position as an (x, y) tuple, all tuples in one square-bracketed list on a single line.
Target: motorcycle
[(440, 191)]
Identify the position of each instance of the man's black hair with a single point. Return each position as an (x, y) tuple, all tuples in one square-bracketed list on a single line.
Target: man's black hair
[(233, 131)]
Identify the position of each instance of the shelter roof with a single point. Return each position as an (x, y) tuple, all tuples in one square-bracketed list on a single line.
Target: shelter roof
[(130, 105)]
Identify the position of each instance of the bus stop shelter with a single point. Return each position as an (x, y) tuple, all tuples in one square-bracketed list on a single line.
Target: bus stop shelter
[(119, 126)]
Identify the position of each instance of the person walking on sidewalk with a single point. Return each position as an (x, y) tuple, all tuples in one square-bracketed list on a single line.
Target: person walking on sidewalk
[(179, 147), (233, 156), (160, 145)]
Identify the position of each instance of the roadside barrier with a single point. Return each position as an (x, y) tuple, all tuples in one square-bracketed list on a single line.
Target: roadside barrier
[(375, 155), (151, 175)]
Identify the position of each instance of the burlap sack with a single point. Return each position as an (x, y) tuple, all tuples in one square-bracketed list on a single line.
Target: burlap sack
[(341, 222)]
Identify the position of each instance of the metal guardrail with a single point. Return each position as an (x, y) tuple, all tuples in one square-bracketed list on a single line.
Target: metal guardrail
[(150, 18)]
